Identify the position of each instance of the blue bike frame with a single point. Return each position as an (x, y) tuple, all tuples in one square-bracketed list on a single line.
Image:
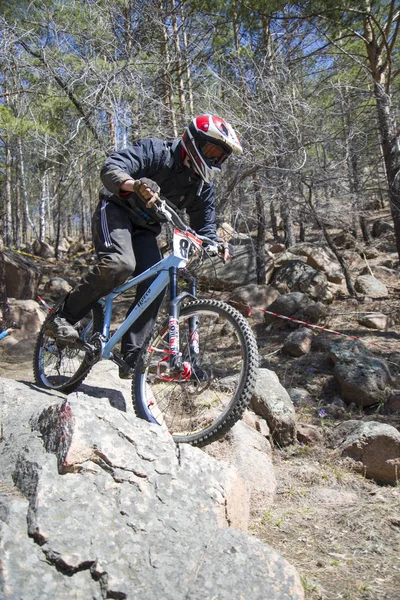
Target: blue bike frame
[(162, 272)]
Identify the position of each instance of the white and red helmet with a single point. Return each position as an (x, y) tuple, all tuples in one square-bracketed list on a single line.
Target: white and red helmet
[(209, 140)]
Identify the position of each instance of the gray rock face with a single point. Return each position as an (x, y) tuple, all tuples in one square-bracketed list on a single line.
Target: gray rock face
[(288, 305), (57, 287), (22, 276), (239, 271), (271, 401), (362, 379), (300, 277), (376, 321), (370, 286), (256, 297), (374, 446), (251, 454), (298, 342), (115, 510)]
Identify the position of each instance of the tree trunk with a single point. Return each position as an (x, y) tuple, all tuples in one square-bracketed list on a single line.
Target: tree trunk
[(390, 150), (286, 214), (24, 196), (261, 228), (274, 222)]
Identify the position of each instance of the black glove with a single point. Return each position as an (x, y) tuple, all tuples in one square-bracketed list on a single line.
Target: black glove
[(147, 190)]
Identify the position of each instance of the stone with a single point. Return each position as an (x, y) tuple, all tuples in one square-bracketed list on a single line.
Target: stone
[(300, 397), (345, 240), (375, 448), (254, 297), (56, 288), (376, 321), (363, 380), (392, 404), (250, 453), (298, 343), (42, 249), (272, 402), (381, 227), (102, 504), (22, 276), (237, 272), (29, 317), (277, 248), (288, 305), (370, 286), (300, 277), (308, 434)]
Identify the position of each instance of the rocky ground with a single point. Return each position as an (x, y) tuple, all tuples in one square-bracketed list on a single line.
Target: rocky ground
[(341, 530)]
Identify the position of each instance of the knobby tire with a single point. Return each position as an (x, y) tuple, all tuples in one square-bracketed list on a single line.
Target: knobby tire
[(202, 409), (60, 366)]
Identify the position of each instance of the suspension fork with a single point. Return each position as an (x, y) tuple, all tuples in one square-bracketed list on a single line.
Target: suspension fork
[(176, 362)]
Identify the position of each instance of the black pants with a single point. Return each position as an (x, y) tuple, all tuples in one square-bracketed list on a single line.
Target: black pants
[(123, 249)]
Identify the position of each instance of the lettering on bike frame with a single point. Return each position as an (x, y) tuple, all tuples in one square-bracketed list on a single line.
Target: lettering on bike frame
[(184, 244)]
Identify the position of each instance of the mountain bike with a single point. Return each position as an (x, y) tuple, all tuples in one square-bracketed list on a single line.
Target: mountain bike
[(196, 372)]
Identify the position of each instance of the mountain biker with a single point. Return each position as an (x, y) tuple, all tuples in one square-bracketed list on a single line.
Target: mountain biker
[(125, 225)]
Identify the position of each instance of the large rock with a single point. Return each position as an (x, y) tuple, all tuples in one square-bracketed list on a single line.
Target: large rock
[(114, 510), (56, 288), (29, 317), (288, 305), (250, 452), (239, 271), (22, 276), (374, 446), (363, 380), (300, 277), (370, 286), (272, 402), (42, 249), (380, 227), (298, 342), (253, 299)]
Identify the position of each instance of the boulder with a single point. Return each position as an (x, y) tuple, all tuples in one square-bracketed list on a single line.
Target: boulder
[(370, 286), (345, 240), (42, 249), (288, 305), (238, 272), (254, 297), (29, 317), (113, 509), (22, 276), (300, 277), (380, 227), (376, 321), (56, 288), (392, 404), (308, 434), (374, 446), (362, 379), (272, 402), (250, 453), (298, 342)]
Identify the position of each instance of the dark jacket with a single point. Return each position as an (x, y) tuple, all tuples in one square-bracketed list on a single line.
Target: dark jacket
[(162, 162)]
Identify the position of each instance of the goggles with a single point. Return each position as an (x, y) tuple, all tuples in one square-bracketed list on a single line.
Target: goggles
[(216, 155)]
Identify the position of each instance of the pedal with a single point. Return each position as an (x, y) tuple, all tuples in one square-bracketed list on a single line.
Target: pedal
[(117, 358)]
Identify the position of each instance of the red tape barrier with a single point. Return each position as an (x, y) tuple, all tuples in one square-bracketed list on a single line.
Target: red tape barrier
[(268, 312)]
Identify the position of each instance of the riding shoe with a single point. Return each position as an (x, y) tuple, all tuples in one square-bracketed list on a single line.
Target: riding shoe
[(126, 371), (60, 329)]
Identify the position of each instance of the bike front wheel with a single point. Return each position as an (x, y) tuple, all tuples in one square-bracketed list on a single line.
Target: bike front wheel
[(60, 365), (220, 357)]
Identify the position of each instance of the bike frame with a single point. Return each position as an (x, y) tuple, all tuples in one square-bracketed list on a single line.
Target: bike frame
[(165, 273)]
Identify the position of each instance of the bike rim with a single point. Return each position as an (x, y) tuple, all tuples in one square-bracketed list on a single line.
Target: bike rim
[(191, 408)]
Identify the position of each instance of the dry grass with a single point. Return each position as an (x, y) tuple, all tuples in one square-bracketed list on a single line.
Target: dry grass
[(341, 531)]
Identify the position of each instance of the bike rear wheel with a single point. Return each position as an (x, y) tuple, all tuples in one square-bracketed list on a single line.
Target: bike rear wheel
[(62, 366), (200, 405)]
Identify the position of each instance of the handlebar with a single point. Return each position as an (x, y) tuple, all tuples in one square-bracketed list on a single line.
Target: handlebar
[(165, 209)]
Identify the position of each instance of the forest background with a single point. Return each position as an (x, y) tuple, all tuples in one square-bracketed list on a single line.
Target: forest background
[(312, 88)]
